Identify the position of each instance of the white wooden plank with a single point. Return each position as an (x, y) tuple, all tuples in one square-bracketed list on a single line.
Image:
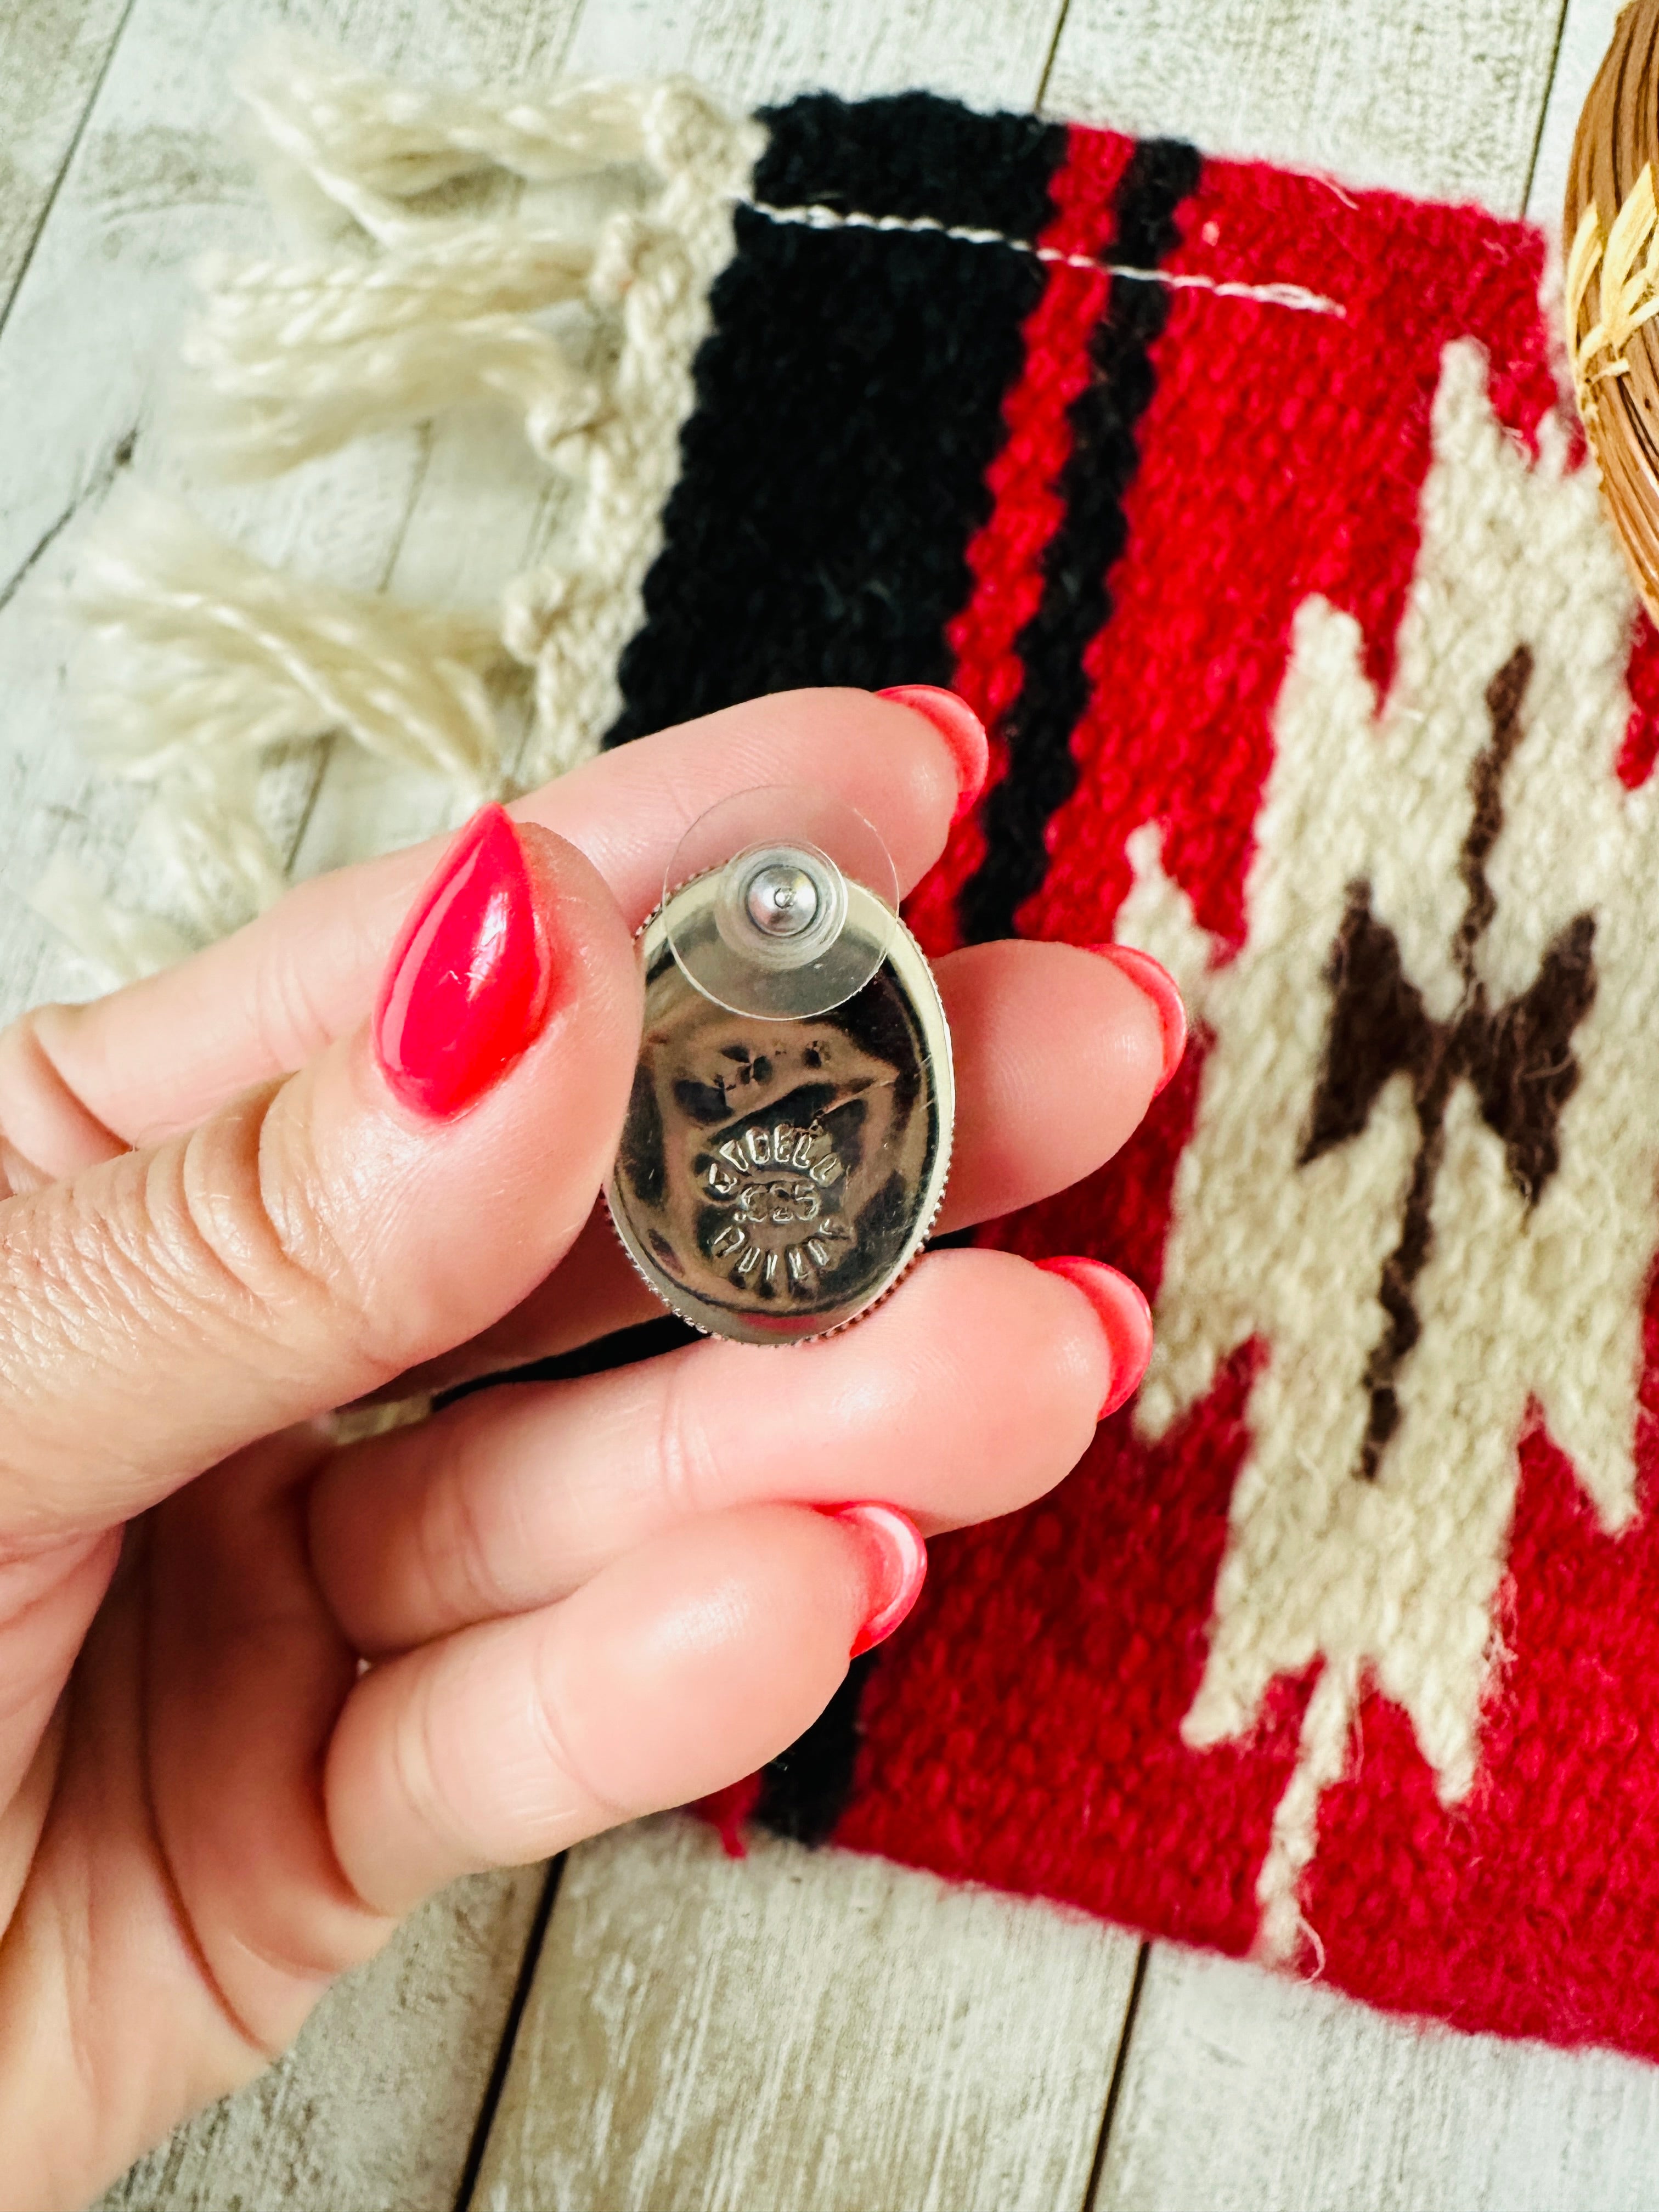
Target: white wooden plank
[(1244, 2089), (53, 53), (991, 55), (804, 2032), (372, 2109), (1586, 34), (1439, 97)]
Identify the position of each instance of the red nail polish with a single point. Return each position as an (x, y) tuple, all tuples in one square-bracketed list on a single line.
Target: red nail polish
[(896, 1561), (1125, 1316), (466, 988), (961, 729), (1150, 976)]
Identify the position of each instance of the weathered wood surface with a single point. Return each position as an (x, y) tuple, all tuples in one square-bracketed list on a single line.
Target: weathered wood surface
[(51, 57), (992, 53), (1438, 97), (1586, 31), (373, 2110), (798, 2030), (1245, 2093)]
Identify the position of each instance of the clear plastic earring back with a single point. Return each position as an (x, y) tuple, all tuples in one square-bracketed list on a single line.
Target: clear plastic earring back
[(779, 903)]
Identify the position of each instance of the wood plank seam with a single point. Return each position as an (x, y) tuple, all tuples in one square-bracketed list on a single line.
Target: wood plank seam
[(528, 1963), (1053, 48), (1544, 104), (66, 165), (1113, 2086), (92, 491)]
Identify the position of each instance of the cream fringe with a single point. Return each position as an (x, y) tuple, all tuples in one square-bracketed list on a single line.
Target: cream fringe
[(200, 660)]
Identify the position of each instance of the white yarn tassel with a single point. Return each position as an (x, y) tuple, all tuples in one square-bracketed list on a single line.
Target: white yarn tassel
[(118, 943), (218, 862), (572, 622), (197, 650), (367, 143), (290, 359), (456, 271), (203, 858)]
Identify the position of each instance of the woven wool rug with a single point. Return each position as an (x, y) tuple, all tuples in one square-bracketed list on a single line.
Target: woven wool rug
[(1311, 668), (1248, 512)]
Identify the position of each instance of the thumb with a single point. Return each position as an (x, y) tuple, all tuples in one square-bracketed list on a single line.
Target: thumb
[(321, 1234)]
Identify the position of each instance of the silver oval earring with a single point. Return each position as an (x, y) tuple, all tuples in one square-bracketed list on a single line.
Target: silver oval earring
[(788, 1138)]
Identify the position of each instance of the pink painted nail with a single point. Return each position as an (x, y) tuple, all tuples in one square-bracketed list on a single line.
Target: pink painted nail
[(1148, 976), (961, 729), (897, 1564), (1125, 1316)]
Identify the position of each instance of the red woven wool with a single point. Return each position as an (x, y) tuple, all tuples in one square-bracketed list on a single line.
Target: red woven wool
[(1641, 747), (1005, 557), (1339, 615)]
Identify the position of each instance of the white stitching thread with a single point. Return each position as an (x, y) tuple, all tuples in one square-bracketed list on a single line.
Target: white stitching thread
[(1296, 297)]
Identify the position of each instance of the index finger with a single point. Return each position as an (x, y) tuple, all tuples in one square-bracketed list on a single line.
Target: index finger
[(158, 1056)]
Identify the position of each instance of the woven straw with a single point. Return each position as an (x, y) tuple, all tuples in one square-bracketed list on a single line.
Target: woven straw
[(1610, 233)]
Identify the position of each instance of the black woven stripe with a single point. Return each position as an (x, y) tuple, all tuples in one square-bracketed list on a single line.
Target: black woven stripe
[(804, 1792), (805, 1789), (1076, 604), (624, 1347), (848, 403)]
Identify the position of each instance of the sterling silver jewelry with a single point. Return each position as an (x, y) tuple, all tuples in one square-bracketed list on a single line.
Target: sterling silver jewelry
[(788, 1137)]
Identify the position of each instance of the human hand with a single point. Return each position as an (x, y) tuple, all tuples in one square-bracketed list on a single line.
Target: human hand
[(239, 1196)]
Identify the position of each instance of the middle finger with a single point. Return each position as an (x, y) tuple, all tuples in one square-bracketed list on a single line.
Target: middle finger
[(973, 1390)]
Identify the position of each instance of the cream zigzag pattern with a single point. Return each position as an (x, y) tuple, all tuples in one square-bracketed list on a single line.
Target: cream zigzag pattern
[(1396, 1582)]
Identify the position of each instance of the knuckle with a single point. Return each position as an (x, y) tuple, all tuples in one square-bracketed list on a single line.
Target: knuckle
[(688, 1459), (207, 1239), (44, 1121), (420, 1762), (291, 1024), (179, 1235), (459, 1556), (244, 1208), (553, 1721)]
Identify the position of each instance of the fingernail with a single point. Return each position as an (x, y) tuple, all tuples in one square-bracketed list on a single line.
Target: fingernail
[(1150, 976), (466, 988), (961, 729), (1124, 1316), (896, 1563)]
